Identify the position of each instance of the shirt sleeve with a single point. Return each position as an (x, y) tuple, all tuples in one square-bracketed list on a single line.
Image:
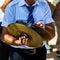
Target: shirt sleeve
[(47, 15), (8, 16)]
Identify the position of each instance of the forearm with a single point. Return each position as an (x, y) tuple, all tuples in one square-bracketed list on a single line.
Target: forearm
[(51, 29), (6, 38)]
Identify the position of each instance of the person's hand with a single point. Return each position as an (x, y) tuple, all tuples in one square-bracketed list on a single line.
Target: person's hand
[(13, 41), (40, 24), (9, 39), (22, 41)]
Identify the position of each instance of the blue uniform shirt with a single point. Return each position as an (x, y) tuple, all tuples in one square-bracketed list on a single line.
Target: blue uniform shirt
[(17, 11)]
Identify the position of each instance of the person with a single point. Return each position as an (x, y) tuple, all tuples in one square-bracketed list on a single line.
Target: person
[(56, 16), (6, 2), (18, 11)]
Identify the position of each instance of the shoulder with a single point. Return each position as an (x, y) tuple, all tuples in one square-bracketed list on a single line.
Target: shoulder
[(11, 7), (44, 4), (12, 4)]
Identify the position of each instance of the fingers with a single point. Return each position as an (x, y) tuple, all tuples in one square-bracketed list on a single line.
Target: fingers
[(24, 40), (21, 41), (40, 24)]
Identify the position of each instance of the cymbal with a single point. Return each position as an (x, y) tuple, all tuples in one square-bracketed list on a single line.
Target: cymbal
[(42, 32), (15, 29)]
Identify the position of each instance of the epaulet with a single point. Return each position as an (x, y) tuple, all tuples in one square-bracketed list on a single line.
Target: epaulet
[(13, 3), (44, 2)]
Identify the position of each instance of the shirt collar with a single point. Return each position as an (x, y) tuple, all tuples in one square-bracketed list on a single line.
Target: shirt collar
[(36, 3), (22, 2)]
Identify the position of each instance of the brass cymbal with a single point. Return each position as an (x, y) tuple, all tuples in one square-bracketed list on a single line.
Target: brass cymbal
[(16, 29), (42, 32)]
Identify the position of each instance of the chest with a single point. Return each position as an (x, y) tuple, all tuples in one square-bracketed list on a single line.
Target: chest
[(22, 13)]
